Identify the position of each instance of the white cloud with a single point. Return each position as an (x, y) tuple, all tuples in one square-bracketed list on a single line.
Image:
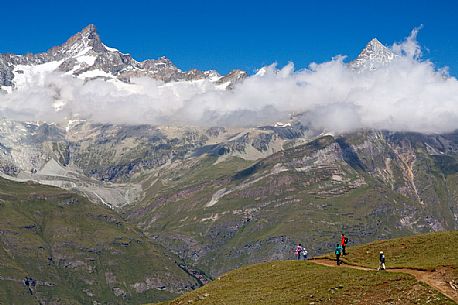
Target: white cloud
[(410, 46), (410, 94)]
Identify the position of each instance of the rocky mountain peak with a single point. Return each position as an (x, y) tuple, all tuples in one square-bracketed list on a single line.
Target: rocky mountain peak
[(233, 77), (83, 40), (373, 56), (90, 29), (375, 43), (164, 58), (86, 35), (84, 56)]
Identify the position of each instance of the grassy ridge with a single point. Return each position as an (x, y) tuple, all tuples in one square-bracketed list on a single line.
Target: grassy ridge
[(291, 282), (426, 251)]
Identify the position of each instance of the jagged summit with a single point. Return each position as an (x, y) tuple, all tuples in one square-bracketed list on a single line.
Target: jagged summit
[(375, 42), (90, 29), (373, 56), (89, 32), (83, 41), (85, 56), (87, 35), (376, 48), (233, 77)]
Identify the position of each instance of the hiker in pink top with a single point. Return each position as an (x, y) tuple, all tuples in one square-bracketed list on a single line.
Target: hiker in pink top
[(298, 251)]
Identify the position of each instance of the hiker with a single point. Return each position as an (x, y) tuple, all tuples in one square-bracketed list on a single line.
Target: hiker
[(30, 283), (304, 253), (338, 253), (298, 251), (382, 261), (343, 243)]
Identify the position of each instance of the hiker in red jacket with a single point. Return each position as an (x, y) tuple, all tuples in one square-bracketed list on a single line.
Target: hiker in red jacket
[(343, 243)]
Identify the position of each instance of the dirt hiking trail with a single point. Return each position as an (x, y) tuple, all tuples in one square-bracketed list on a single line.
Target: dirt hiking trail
[(434, 278)]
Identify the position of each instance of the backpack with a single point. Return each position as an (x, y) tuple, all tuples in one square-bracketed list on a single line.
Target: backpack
[(337, 251), (346, 240)]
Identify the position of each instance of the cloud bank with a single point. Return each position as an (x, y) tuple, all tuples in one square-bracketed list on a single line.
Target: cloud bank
[(409, 94)]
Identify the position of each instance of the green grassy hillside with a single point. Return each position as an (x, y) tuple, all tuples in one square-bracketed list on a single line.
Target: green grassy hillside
[(292, 282), (425, 252), (78, 252)]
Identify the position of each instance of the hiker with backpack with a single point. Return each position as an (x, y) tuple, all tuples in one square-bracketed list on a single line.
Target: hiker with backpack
[(343, 243), (338, 252), (298, 251), (382, 261)]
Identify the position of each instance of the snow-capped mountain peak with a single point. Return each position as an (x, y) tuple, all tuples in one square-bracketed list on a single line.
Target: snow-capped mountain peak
[(373, 56), (80, 44), (88, 37), (85, 56)]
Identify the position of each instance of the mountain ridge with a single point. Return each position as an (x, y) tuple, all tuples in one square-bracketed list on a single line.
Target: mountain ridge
[(84, 55), (320, 281)]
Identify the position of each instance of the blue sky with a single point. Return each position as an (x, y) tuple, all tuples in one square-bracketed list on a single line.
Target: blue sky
[(235, 34)]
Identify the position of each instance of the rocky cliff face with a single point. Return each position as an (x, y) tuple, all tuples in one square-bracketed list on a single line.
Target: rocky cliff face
[(93, 157)]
